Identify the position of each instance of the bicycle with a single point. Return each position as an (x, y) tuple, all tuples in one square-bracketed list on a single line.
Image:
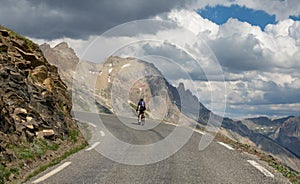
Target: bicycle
[(142, 122), (143, 119)]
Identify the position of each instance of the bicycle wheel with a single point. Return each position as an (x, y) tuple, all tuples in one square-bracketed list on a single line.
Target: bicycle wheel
[(143, 119)]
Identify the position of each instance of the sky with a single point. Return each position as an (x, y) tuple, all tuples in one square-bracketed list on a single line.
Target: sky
[(256, 43), (220, 14)]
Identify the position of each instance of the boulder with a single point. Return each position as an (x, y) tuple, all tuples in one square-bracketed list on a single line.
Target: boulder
[(49, 83), (45, 133), (19, 110), (40, 73)]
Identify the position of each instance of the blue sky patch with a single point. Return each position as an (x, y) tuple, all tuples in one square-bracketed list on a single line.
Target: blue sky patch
[(220, 15)]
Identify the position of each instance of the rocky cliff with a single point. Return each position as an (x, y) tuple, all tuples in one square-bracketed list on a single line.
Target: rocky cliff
[(264, 125), (66, 60), (123, 81), (117, 71), (35, 120), (288, 135)]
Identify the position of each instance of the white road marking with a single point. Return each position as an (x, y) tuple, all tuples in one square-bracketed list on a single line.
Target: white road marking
[(226, 145), (169, 123), (198, 131), (91, 124), (53, 172), (102, 133), (93, 146), (261, 168)]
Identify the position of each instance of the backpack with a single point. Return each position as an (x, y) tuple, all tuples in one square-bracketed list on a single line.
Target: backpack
[(142, 104)]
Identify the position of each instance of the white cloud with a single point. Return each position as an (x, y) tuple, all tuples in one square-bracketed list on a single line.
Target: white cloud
[(294, 31), (261, 67), (192, 21), (280, 29)]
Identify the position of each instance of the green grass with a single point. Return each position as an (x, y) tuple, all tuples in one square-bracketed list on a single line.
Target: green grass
[(56, 161), (74, 135), (34, 149), (133, 106), (15, 170), (30, 151), (26, 154), (200, 127), (53, 147), (4, 174)]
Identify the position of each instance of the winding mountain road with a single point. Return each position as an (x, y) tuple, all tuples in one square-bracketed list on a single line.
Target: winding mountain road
[(218, 163)]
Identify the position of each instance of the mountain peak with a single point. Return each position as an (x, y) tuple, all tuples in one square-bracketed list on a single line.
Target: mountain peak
[(62, 45), (260, 118), (45, 45), (181, 86)]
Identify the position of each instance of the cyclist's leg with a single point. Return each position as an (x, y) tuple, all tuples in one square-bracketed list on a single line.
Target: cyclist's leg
[(139, 117), (143, 118)]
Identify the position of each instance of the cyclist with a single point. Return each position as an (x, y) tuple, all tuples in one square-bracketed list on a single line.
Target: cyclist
[(141, 107)]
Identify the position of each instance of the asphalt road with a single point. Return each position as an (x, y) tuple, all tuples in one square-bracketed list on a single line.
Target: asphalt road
[(215, 164)]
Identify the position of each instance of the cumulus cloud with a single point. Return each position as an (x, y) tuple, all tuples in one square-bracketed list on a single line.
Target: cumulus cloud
[(261, 67)]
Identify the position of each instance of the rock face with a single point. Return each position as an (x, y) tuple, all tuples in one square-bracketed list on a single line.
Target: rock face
[(34, 105), (264, 125), (123, 81), (117, 71), (66, 60), (288, 135)]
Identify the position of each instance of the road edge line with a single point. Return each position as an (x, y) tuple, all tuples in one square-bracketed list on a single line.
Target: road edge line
[(53, 172), (93, 146), (226, 145), (261, 168)]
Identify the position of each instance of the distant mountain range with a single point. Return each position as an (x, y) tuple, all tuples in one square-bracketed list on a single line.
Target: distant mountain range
[(264, 125), (288, 134), (285, 131), (279, 137)]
